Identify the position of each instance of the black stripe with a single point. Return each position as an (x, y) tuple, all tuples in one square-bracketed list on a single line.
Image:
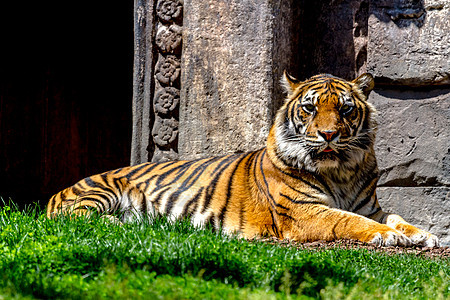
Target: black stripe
[(92, 183), (193, 173), (181, 168), (146, 183), (285, 215), (158, 196), (268, 196), (301, 193), (266, 184), (171, 201), (188, 182), (119, 195), (115, 172), (315, 86), (196, 173), (241, 216), (227, 159), (170, 163), (378, 209), (294, 176), (97, 201), (255, 179), (101, 194), (332, 93), (339, 88), (63, 196), (291, 112), (144, 207), (149, 167), (230, 183), (361, 116), (208, 221), (53, 202), (362, 204), (322, 181), (300, 201), (274, 225), (106, 186), (368, 183), (76, 189), (192, 201), (211, 188)]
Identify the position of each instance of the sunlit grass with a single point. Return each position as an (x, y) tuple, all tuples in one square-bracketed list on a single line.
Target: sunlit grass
[(93, 258)]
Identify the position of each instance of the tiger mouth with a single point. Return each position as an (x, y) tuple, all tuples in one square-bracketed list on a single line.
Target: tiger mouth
[(326, 154)]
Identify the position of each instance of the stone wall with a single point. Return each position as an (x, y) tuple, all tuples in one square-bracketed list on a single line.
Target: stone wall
[(234, 52), (409, 54)]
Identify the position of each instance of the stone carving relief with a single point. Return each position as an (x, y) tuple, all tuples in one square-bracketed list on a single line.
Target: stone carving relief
[(166, 100), (168, 41), (169, 11), (167, 70)]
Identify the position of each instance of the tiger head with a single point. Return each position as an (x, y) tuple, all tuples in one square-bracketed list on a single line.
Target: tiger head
[(326, 123)]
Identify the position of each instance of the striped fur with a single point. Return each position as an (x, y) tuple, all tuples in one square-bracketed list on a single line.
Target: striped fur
[(315, 179)]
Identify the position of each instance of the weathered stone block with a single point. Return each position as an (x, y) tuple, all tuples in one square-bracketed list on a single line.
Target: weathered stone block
[(413, 140), (231, 68), (413, 152), (409, 41), (425, 207)]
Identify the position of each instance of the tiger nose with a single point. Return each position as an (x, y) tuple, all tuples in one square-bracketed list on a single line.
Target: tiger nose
[(328, 135)]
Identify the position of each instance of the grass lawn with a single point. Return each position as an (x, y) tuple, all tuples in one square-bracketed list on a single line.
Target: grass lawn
[(94, 259)]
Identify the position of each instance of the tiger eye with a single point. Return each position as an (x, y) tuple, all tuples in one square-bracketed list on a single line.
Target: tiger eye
[(309, 108), (346, 109)]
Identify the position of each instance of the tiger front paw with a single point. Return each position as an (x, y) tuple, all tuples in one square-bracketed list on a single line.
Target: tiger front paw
[(418, 236), (390, 238), (385, 236)]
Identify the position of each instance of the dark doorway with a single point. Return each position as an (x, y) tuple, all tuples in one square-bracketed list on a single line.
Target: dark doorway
[(65, 94), (329, 37)]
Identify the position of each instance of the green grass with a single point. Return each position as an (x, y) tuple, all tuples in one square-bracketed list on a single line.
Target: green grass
[(95, 259)]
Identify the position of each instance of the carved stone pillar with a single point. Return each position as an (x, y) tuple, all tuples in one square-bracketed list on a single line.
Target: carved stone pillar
[(156, 95), (234, 53)]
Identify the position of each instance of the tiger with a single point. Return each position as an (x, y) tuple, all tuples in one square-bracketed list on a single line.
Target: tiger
[(314, 180)]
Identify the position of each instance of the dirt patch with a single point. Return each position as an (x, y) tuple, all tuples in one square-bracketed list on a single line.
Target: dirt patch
[(435, 252)]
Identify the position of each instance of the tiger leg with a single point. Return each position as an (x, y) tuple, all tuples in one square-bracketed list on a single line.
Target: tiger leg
[(123, 203), (319, 222), (74, 205), (82, 207)]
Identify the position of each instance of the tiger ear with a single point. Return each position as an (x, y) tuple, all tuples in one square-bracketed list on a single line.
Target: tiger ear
[(365, 82), (289, 83)]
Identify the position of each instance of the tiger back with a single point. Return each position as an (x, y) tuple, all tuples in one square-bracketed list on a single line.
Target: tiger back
[(315, 179)]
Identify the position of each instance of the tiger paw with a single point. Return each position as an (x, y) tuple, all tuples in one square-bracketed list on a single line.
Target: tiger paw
[(386, 237), (425, 239), (418, 236)]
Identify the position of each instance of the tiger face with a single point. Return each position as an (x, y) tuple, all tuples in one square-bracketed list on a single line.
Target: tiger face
[(326, 123)]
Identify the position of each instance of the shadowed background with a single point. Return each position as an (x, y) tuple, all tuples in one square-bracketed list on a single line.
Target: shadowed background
[(65, 94)]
